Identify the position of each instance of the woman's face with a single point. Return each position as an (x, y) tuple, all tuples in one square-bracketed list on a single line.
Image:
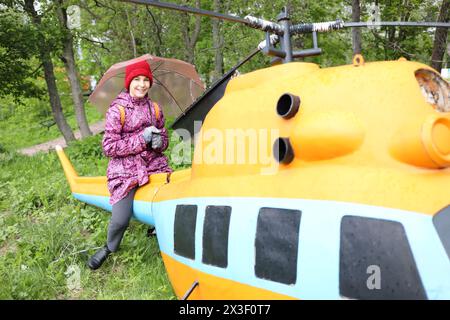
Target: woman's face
[(139, 86)]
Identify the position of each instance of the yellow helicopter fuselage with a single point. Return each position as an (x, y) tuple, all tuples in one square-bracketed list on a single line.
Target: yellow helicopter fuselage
[(368, 174)]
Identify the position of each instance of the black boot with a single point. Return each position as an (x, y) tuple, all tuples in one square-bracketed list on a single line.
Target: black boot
[(151, 232), (98, 258)]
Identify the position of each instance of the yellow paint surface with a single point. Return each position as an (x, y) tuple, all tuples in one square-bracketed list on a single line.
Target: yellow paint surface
[(210, 287)]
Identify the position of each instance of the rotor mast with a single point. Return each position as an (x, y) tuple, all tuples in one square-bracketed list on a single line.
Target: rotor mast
[(285, 21)]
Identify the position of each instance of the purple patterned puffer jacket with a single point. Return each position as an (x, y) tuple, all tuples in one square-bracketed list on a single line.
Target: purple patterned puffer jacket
[(132, 160)]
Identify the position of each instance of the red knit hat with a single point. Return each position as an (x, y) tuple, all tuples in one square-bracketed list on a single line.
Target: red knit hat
[(141, 68)]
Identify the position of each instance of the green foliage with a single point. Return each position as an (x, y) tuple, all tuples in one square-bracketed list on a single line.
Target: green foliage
[(45, 232), (21, 124), (18, 44)]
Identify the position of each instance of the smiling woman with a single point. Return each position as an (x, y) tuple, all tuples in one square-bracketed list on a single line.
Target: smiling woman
[(134, 140), (138, 79), (139, 87)]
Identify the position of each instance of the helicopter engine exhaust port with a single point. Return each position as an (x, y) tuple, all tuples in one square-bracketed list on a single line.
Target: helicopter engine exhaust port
[(425, 145), (283, 151), (287, 105)]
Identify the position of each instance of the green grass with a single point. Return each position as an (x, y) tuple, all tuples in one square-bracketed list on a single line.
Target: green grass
[(21, 127), (45, 233)]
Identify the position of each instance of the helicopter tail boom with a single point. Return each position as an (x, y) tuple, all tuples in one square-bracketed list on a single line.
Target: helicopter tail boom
[(94, 190), (85, 189)]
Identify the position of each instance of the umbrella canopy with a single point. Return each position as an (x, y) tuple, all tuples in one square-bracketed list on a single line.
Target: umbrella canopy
[(176, 84)]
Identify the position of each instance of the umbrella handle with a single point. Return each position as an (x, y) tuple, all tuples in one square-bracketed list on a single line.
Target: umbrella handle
[(157, 110)]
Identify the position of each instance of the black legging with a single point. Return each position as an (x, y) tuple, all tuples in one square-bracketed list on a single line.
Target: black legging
[(120, 218)]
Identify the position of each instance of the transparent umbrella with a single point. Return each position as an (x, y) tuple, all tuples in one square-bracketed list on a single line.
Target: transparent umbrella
[(176, 84)]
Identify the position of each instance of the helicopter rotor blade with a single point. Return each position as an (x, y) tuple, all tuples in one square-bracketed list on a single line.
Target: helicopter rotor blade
[(397, 24), (184, 8), (276, 28), (285, 29), (250, 21), (339, 24), (316, 27)]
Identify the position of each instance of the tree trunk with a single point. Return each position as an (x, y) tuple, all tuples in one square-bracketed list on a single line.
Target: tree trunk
[(49, 74), (440, 37), (218, 41), (55, 102), (132, 38), (404, 16), (159, 44), (190, 40), (68, 58), (356, 32)]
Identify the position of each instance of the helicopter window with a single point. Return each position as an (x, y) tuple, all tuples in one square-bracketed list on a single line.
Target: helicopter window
[(441, 221), (276, 244), (376, 261), (215, 235), (435, 90), (184, 232)]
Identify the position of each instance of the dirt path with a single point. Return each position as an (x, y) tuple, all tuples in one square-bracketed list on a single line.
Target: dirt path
[(46, 146)]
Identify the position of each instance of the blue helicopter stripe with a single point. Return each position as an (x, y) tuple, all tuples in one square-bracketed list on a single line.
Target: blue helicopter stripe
[(319, 233), (141, 209)]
